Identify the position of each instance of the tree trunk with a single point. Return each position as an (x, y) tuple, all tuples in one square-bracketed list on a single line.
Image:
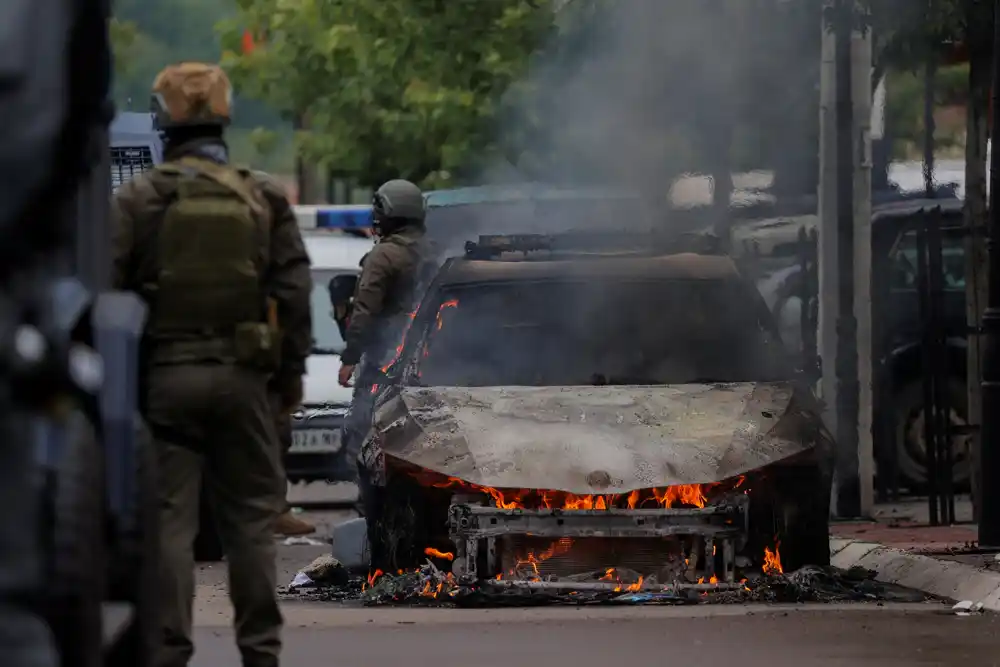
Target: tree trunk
[(306, 174), (980, 68)]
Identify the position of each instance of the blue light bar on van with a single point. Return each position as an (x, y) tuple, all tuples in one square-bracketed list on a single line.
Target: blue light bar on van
[(334, 217)]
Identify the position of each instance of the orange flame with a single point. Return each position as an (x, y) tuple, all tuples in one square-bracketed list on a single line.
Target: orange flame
[(772, 560), (439, 319), (434, 553), (533, 560), (372, 576), (631, 588), (686, 495), (402, 343), (633, 499)]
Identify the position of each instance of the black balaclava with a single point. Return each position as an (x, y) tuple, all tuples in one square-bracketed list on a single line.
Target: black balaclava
[(176, 136)]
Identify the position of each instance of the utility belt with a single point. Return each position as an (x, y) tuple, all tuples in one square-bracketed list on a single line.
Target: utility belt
[(254, 345)]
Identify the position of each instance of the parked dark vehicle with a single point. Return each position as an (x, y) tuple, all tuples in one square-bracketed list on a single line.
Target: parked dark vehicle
[(548, 384), (771, 249)]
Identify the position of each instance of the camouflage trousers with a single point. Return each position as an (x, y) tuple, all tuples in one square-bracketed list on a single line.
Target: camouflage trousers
[(283, 426), (358, 420)]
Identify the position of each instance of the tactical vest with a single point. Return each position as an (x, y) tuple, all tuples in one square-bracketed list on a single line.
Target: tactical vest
[(208, 301)]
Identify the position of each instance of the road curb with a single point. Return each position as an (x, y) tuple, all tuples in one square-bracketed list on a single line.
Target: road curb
[(941, 578)]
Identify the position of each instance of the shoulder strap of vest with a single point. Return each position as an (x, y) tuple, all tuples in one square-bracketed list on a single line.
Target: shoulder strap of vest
[(225, 176)]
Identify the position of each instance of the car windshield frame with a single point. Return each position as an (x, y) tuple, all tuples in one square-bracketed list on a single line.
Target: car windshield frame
[(407, 368)]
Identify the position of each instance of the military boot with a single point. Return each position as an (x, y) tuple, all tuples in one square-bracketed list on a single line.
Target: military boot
[(290, 525)]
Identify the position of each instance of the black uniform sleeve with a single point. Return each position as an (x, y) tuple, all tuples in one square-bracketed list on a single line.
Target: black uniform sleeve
[(289, 282)]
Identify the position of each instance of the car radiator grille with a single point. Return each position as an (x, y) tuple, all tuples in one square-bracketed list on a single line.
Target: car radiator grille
[(567, 556)]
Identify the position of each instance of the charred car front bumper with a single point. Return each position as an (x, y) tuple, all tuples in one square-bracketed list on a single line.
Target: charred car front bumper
[(687, 485), (691, 545)]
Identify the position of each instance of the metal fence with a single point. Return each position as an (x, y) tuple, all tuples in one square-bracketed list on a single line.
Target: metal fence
[(927, 340)]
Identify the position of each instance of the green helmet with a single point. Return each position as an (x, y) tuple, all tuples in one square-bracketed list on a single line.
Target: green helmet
[(397, 203)]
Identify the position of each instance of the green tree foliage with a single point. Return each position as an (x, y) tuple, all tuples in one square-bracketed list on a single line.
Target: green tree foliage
[(148, 35), (908, 32), (905, 107), (123, 34), (160, 33), (388, 88)]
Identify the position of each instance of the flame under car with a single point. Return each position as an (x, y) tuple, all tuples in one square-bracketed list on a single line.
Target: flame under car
[(632, 415)]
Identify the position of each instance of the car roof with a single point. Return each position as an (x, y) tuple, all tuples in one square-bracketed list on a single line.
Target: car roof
[(133, 127), (906, 208), (335, 251), (766, 234), (680, 266), (519, 192)]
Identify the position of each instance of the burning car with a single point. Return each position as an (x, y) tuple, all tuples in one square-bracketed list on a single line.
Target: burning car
[(576, 404)]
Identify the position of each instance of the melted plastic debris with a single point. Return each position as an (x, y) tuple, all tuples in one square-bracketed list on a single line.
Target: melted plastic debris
[(430, 586), (820, 584)]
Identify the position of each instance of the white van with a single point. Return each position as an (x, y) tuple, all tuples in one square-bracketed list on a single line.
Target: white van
[(316, 452)]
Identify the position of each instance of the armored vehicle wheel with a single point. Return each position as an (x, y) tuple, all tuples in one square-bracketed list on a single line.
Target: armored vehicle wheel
[(133, 566), (76, 576), (911, 445)]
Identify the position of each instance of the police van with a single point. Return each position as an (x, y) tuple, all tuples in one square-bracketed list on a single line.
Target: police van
[(335, 247)]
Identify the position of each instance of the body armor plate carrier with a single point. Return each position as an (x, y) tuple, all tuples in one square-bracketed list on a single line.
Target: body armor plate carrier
[(208, 301)]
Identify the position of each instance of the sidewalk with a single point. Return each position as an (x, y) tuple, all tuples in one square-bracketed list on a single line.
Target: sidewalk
[(902, 548), (905, 525)]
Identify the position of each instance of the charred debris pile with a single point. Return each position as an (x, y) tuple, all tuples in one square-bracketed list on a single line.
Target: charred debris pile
[(434, 586), (677, 545)]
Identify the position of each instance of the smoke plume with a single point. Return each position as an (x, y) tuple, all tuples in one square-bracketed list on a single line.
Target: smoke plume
[(636, 96)]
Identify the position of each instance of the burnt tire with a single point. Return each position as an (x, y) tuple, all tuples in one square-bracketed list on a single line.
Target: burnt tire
[(792, 514), (208, 544), (78, 544), (396, 525), (134, 567)]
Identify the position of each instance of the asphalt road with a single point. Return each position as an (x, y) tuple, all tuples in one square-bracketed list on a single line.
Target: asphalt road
[(851, 635), (753, 636)]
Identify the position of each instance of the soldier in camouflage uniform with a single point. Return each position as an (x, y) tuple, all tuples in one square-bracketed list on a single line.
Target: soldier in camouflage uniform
[(383, 300), (217, 254), (384, 295)]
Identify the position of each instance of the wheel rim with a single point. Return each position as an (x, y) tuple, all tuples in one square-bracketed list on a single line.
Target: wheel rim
[(915, 444)]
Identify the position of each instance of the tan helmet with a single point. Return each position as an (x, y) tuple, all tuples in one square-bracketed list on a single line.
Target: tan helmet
[(192, 94)]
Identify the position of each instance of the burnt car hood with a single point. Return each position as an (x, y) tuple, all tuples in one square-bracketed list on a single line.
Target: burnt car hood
[(585, 440)]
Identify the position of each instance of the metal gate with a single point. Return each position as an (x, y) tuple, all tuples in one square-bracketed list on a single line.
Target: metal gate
[(937, 430)]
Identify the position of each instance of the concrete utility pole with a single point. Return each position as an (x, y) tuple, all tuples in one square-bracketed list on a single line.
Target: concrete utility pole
[(989, 509), (845, 257)]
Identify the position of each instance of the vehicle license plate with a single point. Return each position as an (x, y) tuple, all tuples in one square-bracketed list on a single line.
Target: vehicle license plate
[(319, 440)]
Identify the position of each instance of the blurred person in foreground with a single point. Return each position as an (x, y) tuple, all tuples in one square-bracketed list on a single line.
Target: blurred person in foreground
[(56, 80), (217, 254)]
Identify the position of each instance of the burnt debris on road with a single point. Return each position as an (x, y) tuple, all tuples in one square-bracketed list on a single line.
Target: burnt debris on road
[(430, 585)]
